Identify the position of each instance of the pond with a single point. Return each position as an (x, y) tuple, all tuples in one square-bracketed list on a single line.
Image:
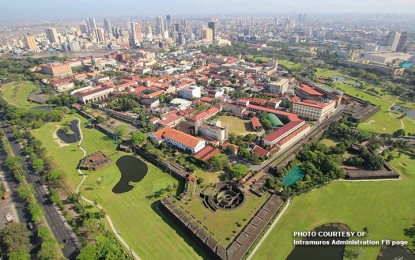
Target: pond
[(71, 138), (294, 175), (132, 170), (343, 79), (409, 112), (332, 252), (395, 252), (45, 108)]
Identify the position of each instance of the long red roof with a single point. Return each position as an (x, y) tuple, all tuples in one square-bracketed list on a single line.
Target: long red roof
[(281, 131), (307, 89)]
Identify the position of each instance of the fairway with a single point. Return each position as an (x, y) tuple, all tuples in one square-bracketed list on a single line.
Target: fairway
[(386, 208), (133, 213), (236, 125), (16, 93)]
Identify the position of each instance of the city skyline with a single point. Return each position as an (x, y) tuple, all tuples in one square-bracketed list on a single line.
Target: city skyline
[(52, 10)]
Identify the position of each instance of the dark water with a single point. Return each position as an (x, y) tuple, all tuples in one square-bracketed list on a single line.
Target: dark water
[(332, 252), (132, 170), (409, 112), (46, 108), (73, 138), (395, 253)]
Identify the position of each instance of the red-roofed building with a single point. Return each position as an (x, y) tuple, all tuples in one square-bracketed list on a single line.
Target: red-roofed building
[(205, 114), (308, 92), (170, 119), (179, 139), (206, 153), (235, 147), (260, 152), (256, 125)]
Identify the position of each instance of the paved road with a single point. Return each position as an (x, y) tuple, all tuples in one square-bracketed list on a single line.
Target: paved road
[(54, 218)]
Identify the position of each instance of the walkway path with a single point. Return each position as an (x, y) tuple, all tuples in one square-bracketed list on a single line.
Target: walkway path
[(269, 230), (390, 109), (92, 203)]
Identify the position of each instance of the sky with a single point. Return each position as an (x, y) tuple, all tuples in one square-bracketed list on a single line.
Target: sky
[(17, 10)]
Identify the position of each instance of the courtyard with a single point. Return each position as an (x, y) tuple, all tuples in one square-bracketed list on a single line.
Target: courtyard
[(237, 125)]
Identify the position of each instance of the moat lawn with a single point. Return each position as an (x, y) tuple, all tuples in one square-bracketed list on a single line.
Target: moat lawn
[(386, 208), (16, 93), (133, 213)]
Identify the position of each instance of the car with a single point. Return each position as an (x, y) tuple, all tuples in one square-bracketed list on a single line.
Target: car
[(30, 225), (64, 241)]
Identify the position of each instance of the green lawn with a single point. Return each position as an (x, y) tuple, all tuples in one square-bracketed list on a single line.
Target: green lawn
[(290, 65), (133, 213), (328, 142), (223, 224), (16, 93), (208, 176), (236, 125), (386, 208)]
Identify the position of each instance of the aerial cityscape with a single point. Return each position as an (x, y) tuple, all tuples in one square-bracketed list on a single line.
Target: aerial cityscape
[(207, 130)]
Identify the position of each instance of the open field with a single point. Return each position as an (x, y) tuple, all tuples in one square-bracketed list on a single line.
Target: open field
[(328, 142), (290, 65), (208, 176), (16, 93), (134, 213), (386, 208), (236, 125), (223, 224)]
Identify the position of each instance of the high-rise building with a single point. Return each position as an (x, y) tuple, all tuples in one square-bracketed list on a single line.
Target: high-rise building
[(91, 24), (393, 40), (403, 42), (168, 20), (52, 35), (74, 46), (31, 43), (211, 25), (207, 34), (107, 26), (180, 39), (136, 34), (149, 32), (176, 27), (100, 35), (160, 25), (84, 28)]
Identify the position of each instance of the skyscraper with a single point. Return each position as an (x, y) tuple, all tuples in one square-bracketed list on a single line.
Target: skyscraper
[(100, 35), (91, 24), (52, 35), (207, 34), (168, 19), (84, 28), (393, 40), (180, 39), (211, 25), (107, 26), (31, 43), (136, 35), (403, 42), (160, 25)]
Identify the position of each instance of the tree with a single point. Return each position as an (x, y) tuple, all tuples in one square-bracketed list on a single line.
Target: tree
[(238, 171), (218, 162), (398, 133), (15, 237), (18, 255), (38, 165), (54, 175), (100, 119), (120, 130), (137, 138)]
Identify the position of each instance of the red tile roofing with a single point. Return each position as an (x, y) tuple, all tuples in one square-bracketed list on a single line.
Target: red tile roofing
[(281, 131), (310, 91), (255, 122), (207, 153)]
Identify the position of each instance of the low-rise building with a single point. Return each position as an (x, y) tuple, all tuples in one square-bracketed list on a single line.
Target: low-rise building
[(178, 139), (61, 85), (211, 131), (93, 94), (279, 87), (191, 92), (56, 69)]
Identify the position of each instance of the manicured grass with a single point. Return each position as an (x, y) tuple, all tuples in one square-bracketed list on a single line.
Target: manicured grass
[(223, 224), (236, 125), (328, 142), (208, 177), (16, 93), (134, 213), (263, 59), (290, 65), (384, 207)]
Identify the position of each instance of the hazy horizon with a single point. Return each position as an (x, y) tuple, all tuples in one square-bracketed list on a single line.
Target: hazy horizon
[(20, 10)]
